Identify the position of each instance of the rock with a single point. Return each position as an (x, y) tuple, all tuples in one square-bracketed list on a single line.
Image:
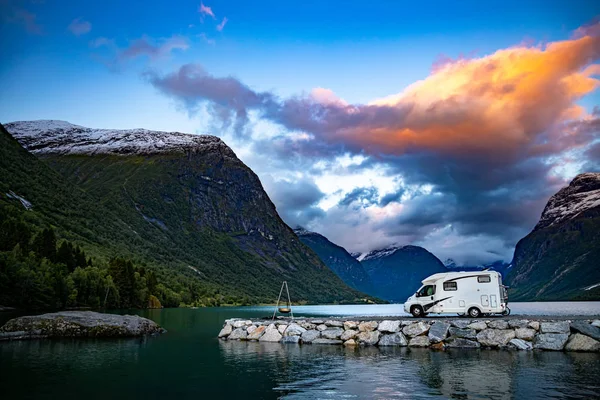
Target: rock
[(238, 334), (368, 338), (281, 329), (309, 336), (518, 323), (406, 323), (308, 326), (438, 331), (241, 323), (393, 339), (419, 341), (257, 333), (460, 323), (551, 341), (534, 325), (317, 321), (326, 341), (349, 334), (271, 335), (437, 346), (350, 325), (460, 343), (498, 324), (250, 329), (477, 325), (596, 323), (580, 342), (226, 331), (466, 333), (321, 327), (79, 324), (495, 337), (367, 326), (389, 326), (337, 324), (586, 329), (525, 333), (416, 329), (350, 342), (555, 327), (290, 339), (521, 344), (294, 330), (332, 333)]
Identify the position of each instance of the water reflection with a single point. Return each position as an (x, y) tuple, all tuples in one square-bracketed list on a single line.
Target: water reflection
[(321, 371)]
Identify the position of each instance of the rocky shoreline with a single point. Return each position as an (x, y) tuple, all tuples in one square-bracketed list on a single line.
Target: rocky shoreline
[(78, 324), (509, 333)]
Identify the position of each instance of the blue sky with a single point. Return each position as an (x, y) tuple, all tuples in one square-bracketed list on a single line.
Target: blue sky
[(89, 62)]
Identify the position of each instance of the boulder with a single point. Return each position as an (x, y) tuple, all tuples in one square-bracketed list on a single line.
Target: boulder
[(241, 323), (307, 325), (460, 323), (367, 326), (321, 327), (326, 341), (555, 327), (332, 333), (525, 333), (518, 323), (438, 331), (389, 326), (586, 329), (290, 339), (350, 342), (257, 333), (226, 331), (437, 346), (294, 330), (78, 324), (579, 342), (271, 335), (368, 338), (350, 325), (461, 343), (419, 341), (596, 323), (466, 333), (521, 344), (498, 324), (393, 339), (477, 325), (349, 334), (250, 329), (495, 337), (551, 341), (309, 336), (534, 325), (281, 329), (238, 334), (334, 323), (416, 329), (317, 321)]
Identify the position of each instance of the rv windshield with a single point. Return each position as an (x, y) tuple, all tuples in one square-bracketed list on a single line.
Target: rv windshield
[(427, 290)]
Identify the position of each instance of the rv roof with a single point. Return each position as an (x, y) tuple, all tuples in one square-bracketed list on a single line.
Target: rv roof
[(451, 275)]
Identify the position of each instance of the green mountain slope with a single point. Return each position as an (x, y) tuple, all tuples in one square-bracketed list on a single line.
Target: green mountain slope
[(560, 258), (187, 205)]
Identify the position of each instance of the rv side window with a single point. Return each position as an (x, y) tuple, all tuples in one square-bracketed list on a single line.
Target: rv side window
[(484, 279), (450, 286)]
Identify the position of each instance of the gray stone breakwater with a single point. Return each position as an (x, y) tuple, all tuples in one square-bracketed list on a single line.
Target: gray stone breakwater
[(517, 334)]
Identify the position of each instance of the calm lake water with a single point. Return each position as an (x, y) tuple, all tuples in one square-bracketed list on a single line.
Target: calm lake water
[(189, 362)]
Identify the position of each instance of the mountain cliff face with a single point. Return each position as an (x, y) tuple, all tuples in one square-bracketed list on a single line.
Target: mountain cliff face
[(397, 272), (338, 259), (190, 200), (559, 259), (498, 266)]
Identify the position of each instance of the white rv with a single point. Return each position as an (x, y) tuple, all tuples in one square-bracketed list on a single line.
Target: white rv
[(464, 293)]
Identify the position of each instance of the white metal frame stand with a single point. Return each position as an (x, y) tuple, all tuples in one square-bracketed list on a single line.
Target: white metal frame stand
[(289, 302)]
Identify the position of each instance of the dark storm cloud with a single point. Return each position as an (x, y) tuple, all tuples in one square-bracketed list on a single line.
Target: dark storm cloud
[(296, 201), (364, 195)]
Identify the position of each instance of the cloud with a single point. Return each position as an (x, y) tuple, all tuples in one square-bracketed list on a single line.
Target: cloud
[(207, 39), (204, 10), (222, 24), (296, 200), (79, 27), (22, 17), (147, 47)]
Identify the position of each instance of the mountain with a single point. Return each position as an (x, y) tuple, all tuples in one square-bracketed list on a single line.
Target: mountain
[(558, 260), (397, 272), (338, 259), (183, 204), (498, 266)]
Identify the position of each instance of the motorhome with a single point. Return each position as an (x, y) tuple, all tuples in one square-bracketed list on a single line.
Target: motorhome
[(464, 293)]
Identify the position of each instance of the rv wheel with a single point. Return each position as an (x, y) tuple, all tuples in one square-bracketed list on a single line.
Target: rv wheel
[(416, 311), (474, 312), (506, 312)]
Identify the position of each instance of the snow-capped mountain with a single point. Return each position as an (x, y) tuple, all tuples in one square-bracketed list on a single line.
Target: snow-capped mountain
[(375, 254), (61, 137), (582, 194)]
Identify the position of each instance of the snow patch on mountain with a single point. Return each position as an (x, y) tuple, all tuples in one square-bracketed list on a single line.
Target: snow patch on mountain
[(386, 252), (61, 137), (582, 194)]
